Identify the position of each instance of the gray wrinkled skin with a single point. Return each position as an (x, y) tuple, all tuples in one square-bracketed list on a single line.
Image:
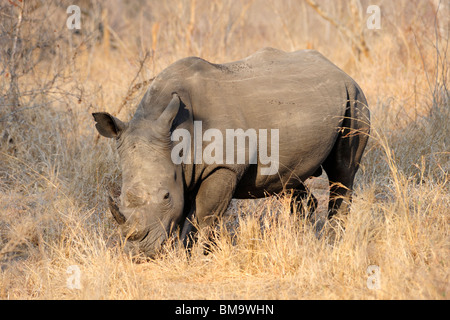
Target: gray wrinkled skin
[(321, 114)]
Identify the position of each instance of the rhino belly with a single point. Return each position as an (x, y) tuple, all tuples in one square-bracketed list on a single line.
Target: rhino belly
[(302, 150)]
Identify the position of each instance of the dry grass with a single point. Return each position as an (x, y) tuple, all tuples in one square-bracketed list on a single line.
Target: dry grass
[(54, 171)]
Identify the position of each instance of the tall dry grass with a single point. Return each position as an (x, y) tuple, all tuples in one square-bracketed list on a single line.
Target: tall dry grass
[(55, 171)]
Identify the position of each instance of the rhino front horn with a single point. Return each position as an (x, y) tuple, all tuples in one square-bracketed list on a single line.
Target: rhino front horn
[(120, 218)]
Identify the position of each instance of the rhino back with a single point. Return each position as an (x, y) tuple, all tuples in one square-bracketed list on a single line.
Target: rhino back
[(302, 94)]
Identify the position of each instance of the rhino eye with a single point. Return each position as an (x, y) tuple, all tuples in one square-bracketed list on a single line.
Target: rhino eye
[(166, 196)]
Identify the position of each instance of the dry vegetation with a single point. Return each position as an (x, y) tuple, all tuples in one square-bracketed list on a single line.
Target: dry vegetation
[(55, 171)]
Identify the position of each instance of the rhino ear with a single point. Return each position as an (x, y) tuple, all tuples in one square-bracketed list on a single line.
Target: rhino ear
[(107, 125), (165, 120)]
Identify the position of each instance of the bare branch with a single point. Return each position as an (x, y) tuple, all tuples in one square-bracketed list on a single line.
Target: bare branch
[(358, 41)]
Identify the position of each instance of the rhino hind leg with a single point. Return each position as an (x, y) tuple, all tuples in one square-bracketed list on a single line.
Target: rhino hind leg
[(341, 167), (341, 189), (298, 196), (343, 162)]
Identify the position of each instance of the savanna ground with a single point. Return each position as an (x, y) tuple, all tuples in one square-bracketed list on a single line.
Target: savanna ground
[(55, 171)]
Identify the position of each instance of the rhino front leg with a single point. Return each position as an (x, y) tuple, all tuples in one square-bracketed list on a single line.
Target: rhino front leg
[(214, 196), (188, 229), (211, 202)]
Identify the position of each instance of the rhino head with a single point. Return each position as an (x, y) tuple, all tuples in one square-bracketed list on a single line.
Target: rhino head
[(152, 193)]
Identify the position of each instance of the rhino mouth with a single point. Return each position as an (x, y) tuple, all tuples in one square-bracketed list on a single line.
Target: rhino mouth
[(145, 235), (132, 235), (147, 240)]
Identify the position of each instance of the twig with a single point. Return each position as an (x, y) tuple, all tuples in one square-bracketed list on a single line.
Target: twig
[(38, 174), (13, 89), (190, 27), (4, 118), (116, 36), (133, 88), (359, 43), (230, 32)]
